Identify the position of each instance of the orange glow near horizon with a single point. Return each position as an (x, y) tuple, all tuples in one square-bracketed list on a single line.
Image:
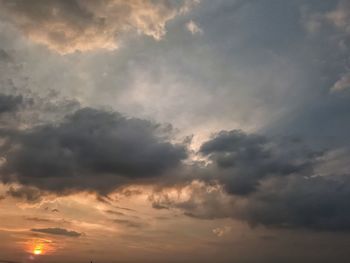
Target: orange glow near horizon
[(38, 249)]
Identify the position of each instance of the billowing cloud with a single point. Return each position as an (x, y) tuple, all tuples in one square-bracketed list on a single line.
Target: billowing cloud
[(57, 231), (243, 160), (90, 149), (75, 25), (271, 182), (317, 203)]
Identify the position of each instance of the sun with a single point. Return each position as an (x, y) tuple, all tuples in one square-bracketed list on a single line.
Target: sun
[(37, 247), (38, 250)]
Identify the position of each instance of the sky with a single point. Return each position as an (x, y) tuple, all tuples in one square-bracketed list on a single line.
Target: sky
[(174, 131)]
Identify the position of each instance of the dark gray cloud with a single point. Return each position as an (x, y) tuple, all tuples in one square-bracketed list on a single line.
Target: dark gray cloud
[(293, 202), (9, 103), (242, 160), (57, 231), (30, 194), (90, 149), (267, 181), (318, 203)]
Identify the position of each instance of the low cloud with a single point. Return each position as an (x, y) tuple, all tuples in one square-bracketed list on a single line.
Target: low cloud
[(57, 231), (90, 150), (27, 193), (272, 182), (241, 161)]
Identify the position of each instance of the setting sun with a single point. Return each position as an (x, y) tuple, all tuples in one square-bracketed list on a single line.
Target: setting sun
[(38, 250)]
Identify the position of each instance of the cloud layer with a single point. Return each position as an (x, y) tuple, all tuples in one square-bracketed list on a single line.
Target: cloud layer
[(75, 25), (57, 231), (90, 149)]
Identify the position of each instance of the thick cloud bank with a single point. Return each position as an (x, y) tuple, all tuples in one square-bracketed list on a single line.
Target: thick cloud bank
[(271, 182), (242, 160), (90, 149)]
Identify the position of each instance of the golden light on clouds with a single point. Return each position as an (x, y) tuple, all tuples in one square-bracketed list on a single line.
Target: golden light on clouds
[(38, 250), (66, 27)]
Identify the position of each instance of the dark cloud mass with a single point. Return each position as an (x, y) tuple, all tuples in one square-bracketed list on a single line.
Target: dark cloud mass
[(30, 194), (9, 103), (57, 231), (243, 160), (316, 203), (90, 149), (271, 182)]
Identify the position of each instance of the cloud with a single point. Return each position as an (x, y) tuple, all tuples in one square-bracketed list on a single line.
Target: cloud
[(221, 231), (37, 219), (192, 27), (30, 194), (128, 223), (241, 161), (90, 150), (75, 25), (336, 16), (340, 16), (112, 212), (317, 203), (293, 202), (57, 231), (342, 84), (275, 182), (9, 103)]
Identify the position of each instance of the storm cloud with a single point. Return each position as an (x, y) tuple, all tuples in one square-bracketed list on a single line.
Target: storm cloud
[(92, 150), (274, 182), (243, 160)]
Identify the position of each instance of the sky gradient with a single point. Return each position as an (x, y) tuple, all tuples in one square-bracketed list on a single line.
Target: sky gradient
[(174, 131)]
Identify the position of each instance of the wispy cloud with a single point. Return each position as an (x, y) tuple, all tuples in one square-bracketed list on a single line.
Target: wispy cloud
[(57, 231)]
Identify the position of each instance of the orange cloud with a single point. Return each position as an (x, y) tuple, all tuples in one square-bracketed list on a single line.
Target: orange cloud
[(69, 26)]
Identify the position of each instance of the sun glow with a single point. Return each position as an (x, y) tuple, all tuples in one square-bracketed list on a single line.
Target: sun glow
[(38, 249), (40, 246)]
